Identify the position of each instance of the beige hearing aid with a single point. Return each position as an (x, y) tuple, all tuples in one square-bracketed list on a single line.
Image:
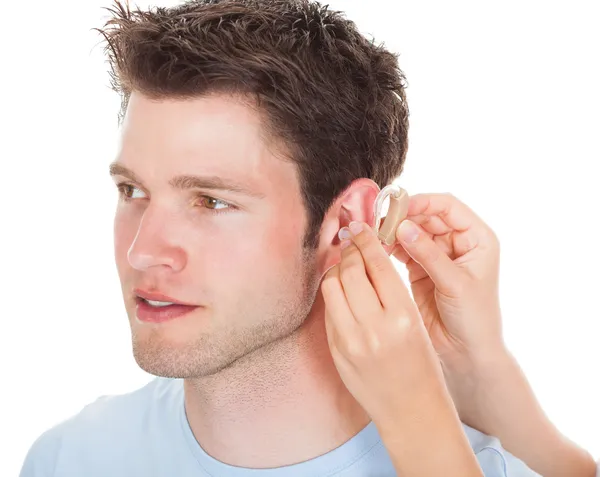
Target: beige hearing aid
[(397, 212)]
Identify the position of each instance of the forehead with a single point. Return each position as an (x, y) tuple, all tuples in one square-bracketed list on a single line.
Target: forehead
[(213, 135)]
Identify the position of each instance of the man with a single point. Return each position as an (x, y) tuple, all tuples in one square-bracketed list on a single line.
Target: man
[(252, 132)]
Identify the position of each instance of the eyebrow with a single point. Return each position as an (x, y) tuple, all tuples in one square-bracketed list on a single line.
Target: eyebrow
[(185, 182)]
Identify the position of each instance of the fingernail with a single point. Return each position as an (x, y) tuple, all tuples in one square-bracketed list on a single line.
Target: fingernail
[(344, 233), (356, 227), (408, 231)]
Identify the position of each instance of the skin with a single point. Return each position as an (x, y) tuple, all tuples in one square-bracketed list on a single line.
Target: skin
[(254, 358), (453, 265)]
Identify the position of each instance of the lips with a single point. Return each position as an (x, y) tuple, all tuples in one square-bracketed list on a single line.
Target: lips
[(151, 314), (159, 297)]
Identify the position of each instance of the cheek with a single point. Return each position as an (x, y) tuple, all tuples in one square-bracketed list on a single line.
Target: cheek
[(253, 253)]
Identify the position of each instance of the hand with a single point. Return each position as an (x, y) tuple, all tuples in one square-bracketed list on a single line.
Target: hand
[(377, 338), (383, 354), (453, 270)]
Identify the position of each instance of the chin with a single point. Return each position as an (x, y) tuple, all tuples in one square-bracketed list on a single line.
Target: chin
[(189, 353), (176, 360)]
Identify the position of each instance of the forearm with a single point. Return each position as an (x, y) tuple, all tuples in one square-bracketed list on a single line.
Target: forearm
[(496, 398), (427, 439)]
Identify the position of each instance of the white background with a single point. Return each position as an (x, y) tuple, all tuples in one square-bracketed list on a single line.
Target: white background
[(505, 114)]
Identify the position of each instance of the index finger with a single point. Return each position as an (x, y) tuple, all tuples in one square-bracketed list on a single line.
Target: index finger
[(380, 269), (454, 213)]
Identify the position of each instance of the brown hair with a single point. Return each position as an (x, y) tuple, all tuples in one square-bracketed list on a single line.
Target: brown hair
[(336, 99)]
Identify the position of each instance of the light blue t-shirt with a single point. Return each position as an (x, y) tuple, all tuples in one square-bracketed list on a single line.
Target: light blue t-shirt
[(146, 434)]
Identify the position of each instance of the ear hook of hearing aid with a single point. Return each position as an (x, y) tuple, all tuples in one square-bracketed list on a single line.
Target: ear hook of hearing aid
[(397, 212)]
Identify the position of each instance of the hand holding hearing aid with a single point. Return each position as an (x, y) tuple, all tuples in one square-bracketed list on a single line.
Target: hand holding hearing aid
[(377, 338), (453, 265), (452, 258)]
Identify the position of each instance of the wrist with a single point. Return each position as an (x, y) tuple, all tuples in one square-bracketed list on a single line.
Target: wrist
[(478, 363), (424, 408)]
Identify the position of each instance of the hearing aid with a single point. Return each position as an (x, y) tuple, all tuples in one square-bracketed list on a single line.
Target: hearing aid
[(397, 212)]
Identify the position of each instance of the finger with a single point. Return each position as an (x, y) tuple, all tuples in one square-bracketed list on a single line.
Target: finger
[(444, 241), (360, 294), (456, 215), (399, 252), (415, 270), (431, 224), (452, 211), (388, 285), (336, 306), (439, 266)]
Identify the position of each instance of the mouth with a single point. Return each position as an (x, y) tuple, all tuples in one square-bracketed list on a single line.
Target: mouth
[(158, 299), (159, 308), (156, 303), (153, 311)]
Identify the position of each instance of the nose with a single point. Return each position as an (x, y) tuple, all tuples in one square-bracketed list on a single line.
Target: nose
[(156, 245)]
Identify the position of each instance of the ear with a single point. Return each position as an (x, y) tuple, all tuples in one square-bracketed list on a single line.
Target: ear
[(356, 203)]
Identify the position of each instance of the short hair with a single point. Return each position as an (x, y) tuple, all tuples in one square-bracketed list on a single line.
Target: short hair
[(335, 99)]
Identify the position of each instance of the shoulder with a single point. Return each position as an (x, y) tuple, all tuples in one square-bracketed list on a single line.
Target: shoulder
[(494, 460), (40, 460), (119, 414), (103, 423)]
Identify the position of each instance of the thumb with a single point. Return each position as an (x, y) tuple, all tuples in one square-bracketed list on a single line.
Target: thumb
[(423, 250)]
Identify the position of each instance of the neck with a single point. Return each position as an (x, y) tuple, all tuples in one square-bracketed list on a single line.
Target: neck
[(246, 414)]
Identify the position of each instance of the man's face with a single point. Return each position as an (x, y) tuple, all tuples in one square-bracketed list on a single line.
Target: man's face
[(238, 256)]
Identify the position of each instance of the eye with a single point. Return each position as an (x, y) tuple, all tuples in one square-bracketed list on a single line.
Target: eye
[(210, 202), (126, 191)]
